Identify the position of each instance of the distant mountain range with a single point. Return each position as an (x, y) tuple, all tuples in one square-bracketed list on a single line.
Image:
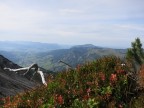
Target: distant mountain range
[(48, 56), (29, 46), (76, 55)]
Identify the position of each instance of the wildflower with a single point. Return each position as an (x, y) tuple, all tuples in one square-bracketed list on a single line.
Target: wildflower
[(68, 91), (113, 78), (74, 92), (120, 71), (89, 83), (60, 100), (85, 97), (88, 91), (102, 76)]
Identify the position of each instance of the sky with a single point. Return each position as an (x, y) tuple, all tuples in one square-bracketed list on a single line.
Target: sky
[(107, 23)]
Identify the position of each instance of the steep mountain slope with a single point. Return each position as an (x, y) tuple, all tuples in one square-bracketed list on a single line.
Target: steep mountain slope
[(12, 83)]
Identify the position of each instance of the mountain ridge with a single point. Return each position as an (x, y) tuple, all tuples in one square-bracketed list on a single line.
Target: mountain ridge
[(78, 54)]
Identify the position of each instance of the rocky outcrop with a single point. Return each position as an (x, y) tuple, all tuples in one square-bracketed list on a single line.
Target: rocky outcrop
[(12, 83)]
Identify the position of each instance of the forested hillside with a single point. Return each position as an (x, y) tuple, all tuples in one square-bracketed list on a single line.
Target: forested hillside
[(73, 56)]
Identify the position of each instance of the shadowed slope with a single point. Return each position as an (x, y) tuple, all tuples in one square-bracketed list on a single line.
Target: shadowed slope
[(10, 82)]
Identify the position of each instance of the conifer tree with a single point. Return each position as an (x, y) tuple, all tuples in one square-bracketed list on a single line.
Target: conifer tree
[(136, 53)]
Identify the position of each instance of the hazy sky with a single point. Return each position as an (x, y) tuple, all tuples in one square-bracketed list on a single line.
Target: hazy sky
[(111, 23)]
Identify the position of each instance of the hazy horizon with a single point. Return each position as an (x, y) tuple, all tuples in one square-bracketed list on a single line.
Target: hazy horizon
[(106, 23), (66, 45)]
